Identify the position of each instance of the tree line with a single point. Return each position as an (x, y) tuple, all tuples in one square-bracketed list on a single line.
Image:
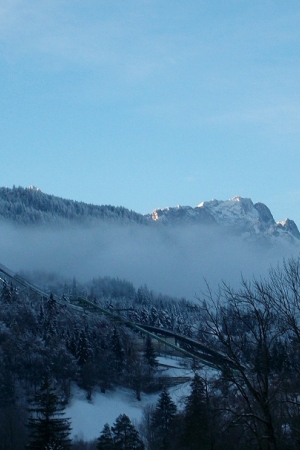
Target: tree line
[(252, 403), (162, 427), (30, 206)]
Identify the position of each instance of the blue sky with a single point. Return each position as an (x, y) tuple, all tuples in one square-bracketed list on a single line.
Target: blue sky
[(152, 103)]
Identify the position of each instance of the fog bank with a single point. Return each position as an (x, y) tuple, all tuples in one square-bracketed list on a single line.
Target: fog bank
[(170, 260)]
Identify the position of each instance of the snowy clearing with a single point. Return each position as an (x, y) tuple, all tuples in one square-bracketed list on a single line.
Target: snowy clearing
[(89, 417)]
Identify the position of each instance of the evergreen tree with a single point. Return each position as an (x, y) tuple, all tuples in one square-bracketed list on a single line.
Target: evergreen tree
[(87, 369), (118, 351), (6, 295), (162, 420), (137, 374), (104, 364), (195, 434), (7, 387), (72, 339), (51, 306), (125, 435), (105, 441), (48, 430), (149, 353), (50, 318), (84, 351)]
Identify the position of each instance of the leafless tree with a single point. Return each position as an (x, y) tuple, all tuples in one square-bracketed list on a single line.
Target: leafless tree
[(257, 326)]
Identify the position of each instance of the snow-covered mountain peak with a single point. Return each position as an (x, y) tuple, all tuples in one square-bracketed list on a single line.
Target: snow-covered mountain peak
[(232, 211), (237, 214), (290, 226), (237, 201)]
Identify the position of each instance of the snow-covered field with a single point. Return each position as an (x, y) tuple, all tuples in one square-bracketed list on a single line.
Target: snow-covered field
[(89, 417)]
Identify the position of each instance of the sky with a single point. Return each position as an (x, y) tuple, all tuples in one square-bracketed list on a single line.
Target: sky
[(152, 103)]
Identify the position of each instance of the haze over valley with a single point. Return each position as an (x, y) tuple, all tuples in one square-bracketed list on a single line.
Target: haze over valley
[(174, 251)]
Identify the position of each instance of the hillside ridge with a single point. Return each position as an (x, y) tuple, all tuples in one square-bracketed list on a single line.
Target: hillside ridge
[(30, 206)]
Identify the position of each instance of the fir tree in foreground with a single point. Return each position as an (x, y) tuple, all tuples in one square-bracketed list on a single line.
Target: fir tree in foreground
[(163, 419), (48, 430), (195, 434), (121, 436), (105, 441)]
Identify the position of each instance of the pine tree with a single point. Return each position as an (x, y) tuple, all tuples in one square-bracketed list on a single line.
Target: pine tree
[(6, 295), (125, 435), (50, 318), (51, 306), (85, 361), (105, 441), (149, 353), (48, 430), (162, 420), (118, 351), (84, 351), (195, 434), (104, 363), (7, 387)]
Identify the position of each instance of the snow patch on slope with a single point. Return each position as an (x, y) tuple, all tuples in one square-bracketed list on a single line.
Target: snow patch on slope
[(235, 211), (89, 417)]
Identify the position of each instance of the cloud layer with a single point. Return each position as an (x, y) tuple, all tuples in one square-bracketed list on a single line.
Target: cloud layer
[(173, 261)]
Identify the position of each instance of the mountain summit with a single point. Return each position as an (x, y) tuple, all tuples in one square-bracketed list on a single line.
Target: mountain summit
[(239, 214)]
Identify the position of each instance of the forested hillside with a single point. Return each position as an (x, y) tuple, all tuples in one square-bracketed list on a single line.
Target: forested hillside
[(140, 305), (252, 403), (40, 338), (31, 206), (240, 216)]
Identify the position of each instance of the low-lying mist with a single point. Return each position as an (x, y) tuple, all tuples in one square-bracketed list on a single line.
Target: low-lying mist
[(171, 260)]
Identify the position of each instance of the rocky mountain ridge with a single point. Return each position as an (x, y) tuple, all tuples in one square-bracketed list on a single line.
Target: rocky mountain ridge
[(30, 206), (237, 213)]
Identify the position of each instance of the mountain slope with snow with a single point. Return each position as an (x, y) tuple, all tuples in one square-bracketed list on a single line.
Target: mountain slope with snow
[(239, 214)]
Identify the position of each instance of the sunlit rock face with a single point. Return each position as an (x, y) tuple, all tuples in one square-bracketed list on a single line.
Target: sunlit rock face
[(240, 215), (183, 215)]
